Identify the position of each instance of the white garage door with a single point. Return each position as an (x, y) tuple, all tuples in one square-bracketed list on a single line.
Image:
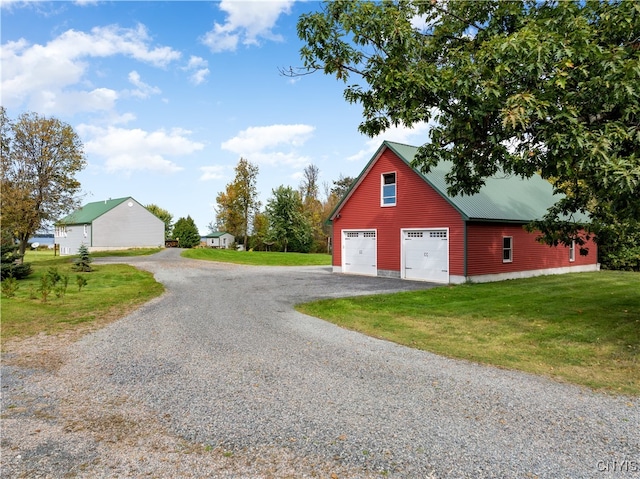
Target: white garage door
[(426, 255), (359, 252)]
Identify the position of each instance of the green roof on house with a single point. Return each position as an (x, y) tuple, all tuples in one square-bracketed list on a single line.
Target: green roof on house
[(89, 212), (216, 234), (504, 197)]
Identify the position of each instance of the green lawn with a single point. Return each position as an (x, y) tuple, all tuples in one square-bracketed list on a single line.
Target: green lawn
[(111, 292), (580, 328), (258, 258)]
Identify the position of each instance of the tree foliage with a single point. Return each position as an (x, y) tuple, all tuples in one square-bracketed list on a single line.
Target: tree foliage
[(341, 186), (165, 216), (520, 87), (313, 208), (619, 246), (287, 222), (239, 202), (11, 264), (309, 187), (83, 261), (228, 217), (186, 232), (40, 158)]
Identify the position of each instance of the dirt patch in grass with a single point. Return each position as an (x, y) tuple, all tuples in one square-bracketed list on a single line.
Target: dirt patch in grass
[(46, 352)]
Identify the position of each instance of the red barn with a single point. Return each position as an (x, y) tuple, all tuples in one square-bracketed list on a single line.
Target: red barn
[(397, 222)]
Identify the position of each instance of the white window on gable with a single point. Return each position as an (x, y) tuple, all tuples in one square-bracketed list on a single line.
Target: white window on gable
[(507, 249), (388, 189), (85, 230)]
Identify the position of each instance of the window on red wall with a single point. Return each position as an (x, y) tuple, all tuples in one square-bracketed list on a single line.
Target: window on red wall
[(388, 189), (507, 249), (572, 252)]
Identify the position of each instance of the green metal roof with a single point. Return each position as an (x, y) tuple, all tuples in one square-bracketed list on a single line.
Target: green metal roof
[(89, 212), (216, 234), (507, 198)]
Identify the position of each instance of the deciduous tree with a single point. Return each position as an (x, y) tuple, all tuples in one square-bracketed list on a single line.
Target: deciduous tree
[(239, 202), (287, 223), (313, 207), (518, 87), (341, 186), (260, 239), (40, 158), (228, 217)]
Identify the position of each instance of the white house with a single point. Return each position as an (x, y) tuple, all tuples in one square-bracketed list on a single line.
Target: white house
[(218, 239), (112, 224)]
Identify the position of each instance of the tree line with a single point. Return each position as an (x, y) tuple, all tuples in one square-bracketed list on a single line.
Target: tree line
[(292, 219), (520, 87)]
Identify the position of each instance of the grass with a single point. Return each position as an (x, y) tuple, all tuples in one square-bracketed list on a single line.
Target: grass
[(579, 328), (259, 258), (111, 292)]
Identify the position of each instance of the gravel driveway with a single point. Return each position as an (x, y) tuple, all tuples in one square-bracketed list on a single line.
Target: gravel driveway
[(220, 377)]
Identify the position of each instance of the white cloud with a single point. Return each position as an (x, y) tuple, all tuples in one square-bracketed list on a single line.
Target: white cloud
[(258, 138), (246, 23), (71, 102), (214, 172), (291, 159), (271, 145), (131, 150), (142, 89), (399, 134), (200, 65), (199, 76), (32, 73), (9, 4), (196, 62)]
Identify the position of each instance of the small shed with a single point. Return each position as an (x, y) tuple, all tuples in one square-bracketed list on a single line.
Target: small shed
[(394, 221), (111, 224), (218, 239)]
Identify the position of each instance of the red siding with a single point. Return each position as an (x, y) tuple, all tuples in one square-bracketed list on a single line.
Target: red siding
[(417, 206), (484, 251)]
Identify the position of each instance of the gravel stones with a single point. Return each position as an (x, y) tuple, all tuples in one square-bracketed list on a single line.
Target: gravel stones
[(221, 374)]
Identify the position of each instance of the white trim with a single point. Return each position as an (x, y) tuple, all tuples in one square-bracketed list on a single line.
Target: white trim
[(510, 260), (403, 272), (572, 252), (375, 252), (487, 278), (395, 184)]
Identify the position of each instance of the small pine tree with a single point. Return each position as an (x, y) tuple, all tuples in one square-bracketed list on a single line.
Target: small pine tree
[(81, 282), (45, 287), (60, 288), (9, 287), (84, 259), (11, 264)]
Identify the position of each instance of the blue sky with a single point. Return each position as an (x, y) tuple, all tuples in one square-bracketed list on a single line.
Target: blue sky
[(168, 96)]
